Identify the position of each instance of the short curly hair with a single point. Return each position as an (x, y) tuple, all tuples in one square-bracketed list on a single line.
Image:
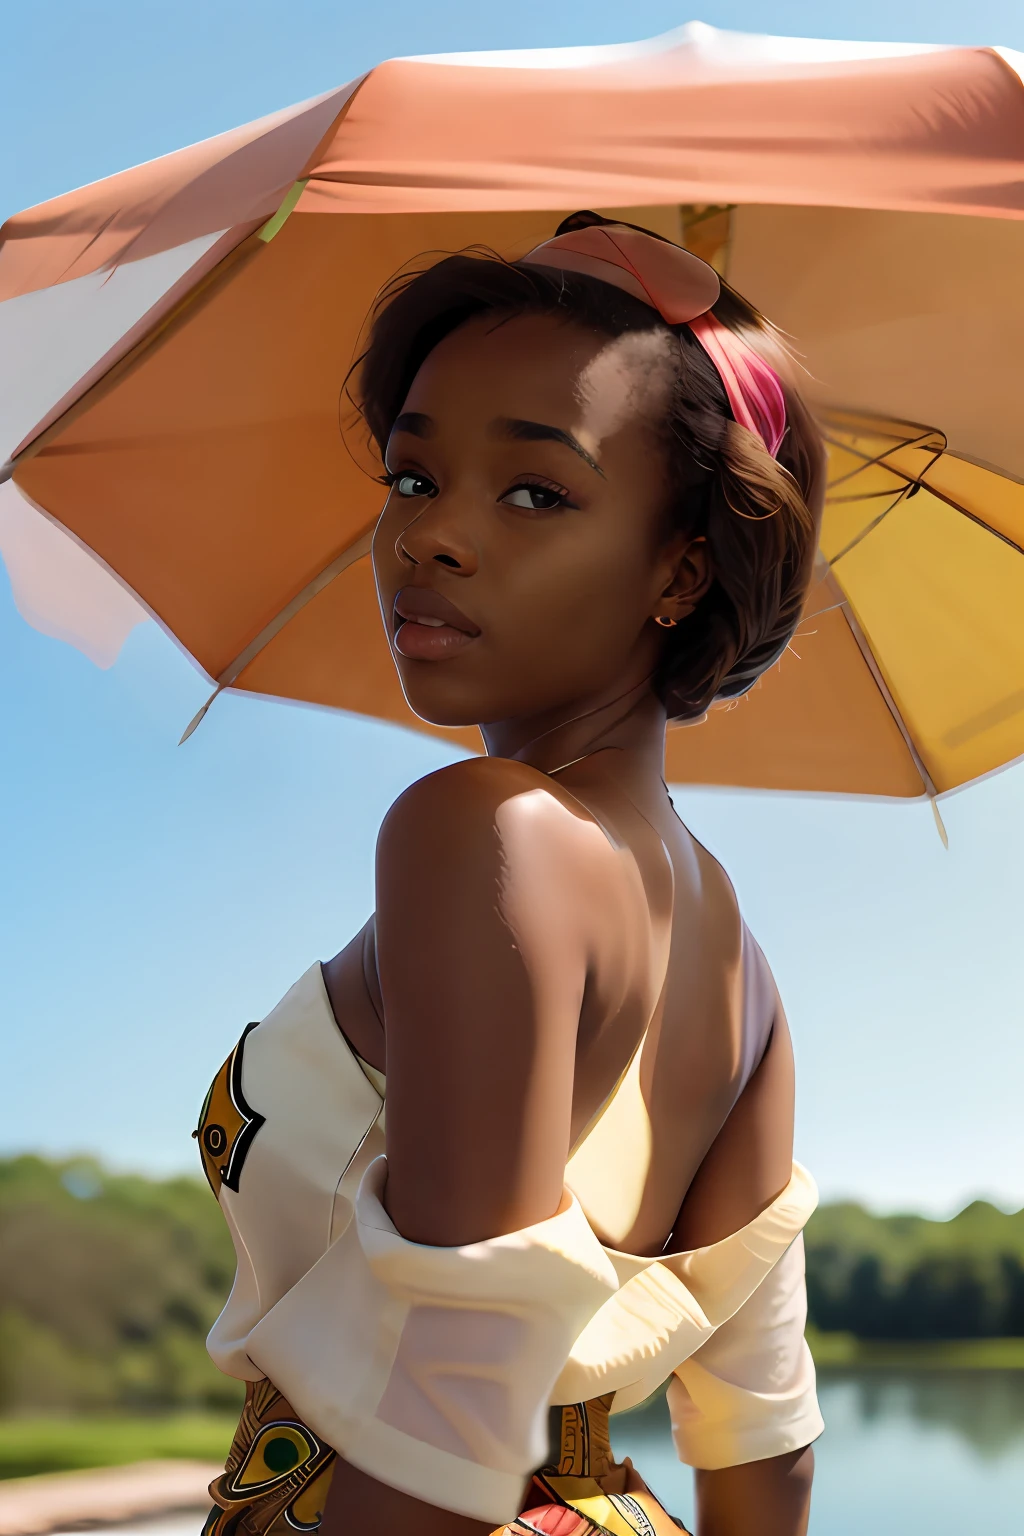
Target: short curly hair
[(759, 515)]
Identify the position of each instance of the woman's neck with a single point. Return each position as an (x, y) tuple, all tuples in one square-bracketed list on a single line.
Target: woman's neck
[(633, 722)]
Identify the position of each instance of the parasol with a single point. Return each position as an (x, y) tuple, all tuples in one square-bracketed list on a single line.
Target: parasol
[(173, 342)]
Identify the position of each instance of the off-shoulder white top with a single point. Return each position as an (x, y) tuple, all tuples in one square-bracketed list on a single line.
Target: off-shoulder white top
[(432, 1369)]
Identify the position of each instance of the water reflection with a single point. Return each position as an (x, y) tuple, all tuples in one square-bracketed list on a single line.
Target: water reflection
[(985, 1409), (936, 1451)]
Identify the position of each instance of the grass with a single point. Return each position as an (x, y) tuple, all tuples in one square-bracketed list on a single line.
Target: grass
[(842, 1349), (43, 1443)]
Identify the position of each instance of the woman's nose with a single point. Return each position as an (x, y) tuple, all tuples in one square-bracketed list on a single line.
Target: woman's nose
[(437, 535)]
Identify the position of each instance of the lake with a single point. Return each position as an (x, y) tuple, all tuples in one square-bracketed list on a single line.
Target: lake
[(936, 1452)]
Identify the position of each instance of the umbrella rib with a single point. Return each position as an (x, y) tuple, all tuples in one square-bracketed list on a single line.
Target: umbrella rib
[(893, 708), (906, 492), (842, 501), (908, 489), (355, 551), (972, 517), (871, 462), (883, 688), (901, 495)]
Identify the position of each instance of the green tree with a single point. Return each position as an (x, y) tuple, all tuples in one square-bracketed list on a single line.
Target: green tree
[(108, 1288), (905, 1277)]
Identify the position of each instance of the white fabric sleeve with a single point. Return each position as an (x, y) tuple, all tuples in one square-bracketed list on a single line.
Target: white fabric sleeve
[(749, 1392), (431, 1369)]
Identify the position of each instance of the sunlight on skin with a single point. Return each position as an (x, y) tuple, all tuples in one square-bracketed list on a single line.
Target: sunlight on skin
[(629, 377)]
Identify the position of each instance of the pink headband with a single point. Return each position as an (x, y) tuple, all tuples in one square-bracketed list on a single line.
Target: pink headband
[(682, 288)]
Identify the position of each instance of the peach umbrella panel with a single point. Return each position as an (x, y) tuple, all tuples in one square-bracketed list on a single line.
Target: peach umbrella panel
[(173, 343)]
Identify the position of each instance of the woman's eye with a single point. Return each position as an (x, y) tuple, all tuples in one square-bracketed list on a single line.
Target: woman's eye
[(534, 498), (414, 485)]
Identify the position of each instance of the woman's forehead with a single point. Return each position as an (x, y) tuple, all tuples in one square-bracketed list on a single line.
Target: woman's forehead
[(527, 364)]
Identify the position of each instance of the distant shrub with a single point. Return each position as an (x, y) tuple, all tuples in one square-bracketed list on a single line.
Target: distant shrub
[(108, 1288), (905, 1277)]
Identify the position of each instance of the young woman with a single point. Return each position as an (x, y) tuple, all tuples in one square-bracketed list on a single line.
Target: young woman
[(602, 515)]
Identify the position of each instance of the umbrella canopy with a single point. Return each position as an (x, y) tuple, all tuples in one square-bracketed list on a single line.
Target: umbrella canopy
[(174, 342)]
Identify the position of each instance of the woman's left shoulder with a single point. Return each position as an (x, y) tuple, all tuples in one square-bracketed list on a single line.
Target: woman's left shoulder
[(490, 806), (491, 846)]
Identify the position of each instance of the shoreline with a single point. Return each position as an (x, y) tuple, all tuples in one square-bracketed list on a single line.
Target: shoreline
[(836, 1351)]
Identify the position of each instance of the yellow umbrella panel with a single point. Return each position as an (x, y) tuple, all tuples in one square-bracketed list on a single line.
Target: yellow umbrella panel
[(927, 550)]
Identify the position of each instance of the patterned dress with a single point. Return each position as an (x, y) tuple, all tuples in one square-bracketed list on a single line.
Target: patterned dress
[(278, 1473)]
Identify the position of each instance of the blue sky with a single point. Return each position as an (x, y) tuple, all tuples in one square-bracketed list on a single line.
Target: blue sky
[(154, 899)]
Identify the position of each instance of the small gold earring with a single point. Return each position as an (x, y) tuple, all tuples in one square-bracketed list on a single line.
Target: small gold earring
[(664, 620)]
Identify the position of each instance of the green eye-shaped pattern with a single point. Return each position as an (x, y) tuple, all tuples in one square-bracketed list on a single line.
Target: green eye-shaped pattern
[(277, 1451)]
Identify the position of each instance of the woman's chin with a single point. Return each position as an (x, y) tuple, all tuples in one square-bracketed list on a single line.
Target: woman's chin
[(447, 694), (449, 709)]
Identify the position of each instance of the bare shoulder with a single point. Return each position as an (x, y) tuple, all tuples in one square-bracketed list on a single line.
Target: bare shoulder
[(490, 842), (487, 804)]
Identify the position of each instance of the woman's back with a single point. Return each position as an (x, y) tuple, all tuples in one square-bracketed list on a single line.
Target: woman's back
[(676, 1015), (610, 948), (709, 1031)]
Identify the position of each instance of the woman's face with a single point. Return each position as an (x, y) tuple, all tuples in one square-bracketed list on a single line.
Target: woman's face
[(522, 551)]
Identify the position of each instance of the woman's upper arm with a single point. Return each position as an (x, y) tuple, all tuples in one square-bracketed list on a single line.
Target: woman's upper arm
[(482, 963), (751, 1159)]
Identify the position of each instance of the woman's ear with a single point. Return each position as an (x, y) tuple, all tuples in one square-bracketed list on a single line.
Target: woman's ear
[(690, 578)]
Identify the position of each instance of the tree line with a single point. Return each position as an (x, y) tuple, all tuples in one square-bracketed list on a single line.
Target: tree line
[(110, 1282), (906, 1277)]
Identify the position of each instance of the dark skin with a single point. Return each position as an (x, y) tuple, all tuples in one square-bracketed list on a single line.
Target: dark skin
[(520, 897)]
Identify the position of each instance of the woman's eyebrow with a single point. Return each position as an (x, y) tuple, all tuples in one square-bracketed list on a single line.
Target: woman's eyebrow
[(538, 432), (415, 423)]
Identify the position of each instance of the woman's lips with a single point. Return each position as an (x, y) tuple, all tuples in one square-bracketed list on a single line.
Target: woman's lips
[(421, 641), (428, 627)]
